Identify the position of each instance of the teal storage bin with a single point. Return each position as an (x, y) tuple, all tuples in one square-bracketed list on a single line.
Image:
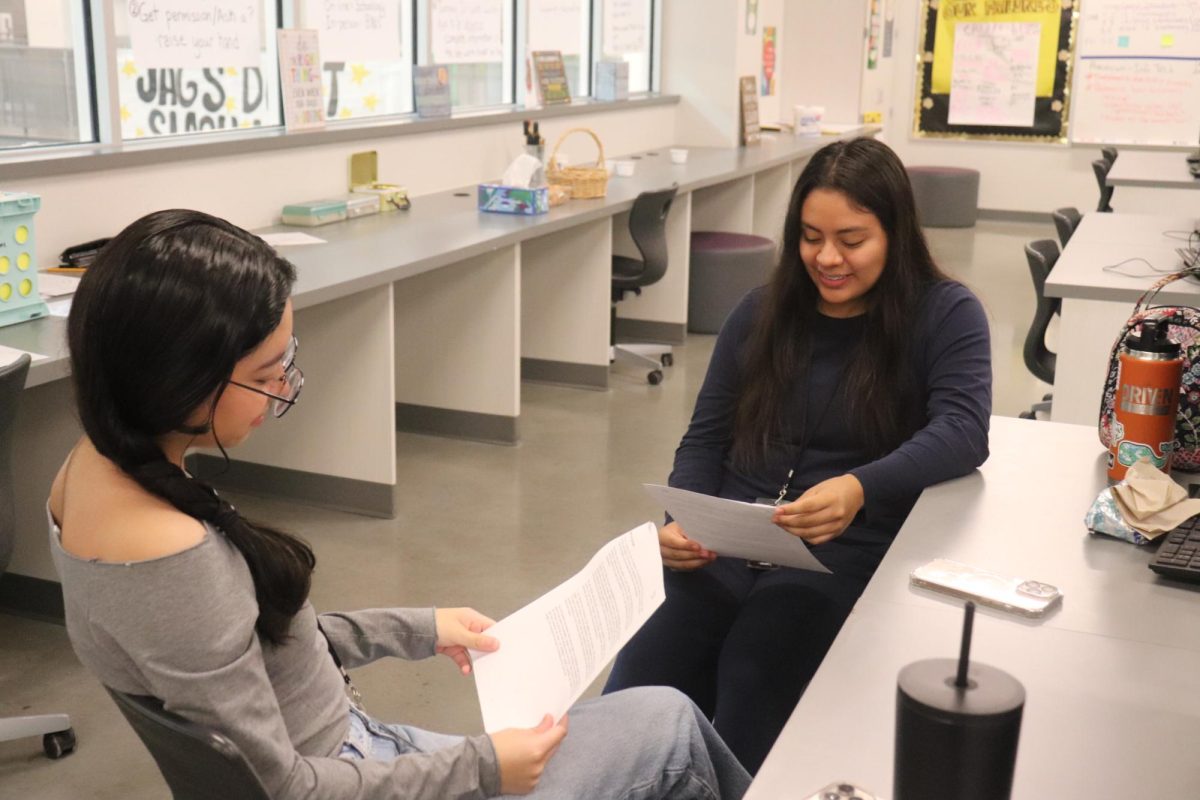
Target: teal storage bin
[(315, 212), (19, 298), (513, 199)]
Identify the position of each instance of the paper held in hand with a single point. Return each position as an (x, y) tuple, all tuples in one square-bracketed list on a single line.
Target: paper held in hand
[(733, 528), (551, 649)]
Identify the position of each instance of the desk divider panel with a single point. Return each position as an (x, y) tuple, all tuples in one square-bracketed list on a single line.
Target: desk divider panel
[(725, 207), (1079, 380), (566, 280), (772, 191), (337, 447), (458, 332), (659, 314)]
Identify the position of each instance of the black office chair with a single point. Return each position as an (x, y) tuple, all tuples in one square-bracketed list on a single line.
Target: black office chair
[(1066, 220), (1042, 255), (197, 762), (58, 739), (1100, 169), (1109, 154), (648, 227)]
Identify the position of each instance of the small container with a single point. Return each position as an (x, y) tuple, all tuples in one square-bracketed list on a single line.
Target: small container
[(1147, 401), (315, 212), (364, 179), (625, 169), (679, 155), (359, 204), (19, 297)]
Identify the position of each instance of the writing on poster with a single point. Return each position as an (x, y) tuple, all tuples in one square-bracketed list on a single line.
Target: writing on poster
[(994, 76), (356, 30), (300, 79), (195, 33), (159, 102), (466, 31), (555, 25), (625, 23)]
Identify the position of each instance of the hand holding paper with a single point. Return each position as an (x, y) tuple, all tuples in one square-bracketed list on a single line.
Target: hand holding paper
[(551, 649)]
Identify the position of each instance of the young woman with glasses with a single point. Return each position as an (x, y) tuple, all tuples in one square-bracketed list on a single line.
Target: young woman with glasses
[(858, 376), (181, 336)]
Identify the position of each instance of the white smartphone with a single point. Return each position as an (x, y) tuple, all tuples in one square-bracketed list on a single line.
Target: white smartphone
[(1019, 595)]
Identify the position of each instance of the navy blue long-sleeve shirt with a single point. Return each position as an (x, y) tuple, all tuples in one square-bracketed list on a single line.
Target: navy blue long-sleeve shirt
[(951, 354)]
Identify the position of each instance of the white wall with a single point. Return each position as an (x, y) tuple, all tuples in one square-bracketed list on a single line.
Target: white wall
[(750, 49), (250, 190), (700, 63), (823, 57), (1014, 176)]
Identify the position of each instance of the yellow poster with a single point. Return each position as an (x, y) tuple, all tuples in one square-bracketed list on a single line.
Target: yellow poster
[(952, 12)]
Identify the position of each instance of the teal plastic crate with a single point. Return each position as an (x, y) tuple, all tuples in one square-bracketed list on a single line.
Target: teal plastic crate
[(19, 297)]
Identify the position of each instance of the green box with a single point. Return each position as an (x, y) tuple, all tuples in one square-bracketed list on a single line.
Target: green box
[(19, 297)]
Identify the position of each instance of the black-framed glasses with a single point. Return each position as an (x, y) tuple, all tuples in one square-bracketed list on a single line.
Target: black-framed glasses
[(292, 381)]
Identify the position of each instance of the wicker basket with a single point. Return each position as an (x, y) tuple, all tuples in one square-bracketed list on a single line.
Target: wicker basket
[(585, 182)]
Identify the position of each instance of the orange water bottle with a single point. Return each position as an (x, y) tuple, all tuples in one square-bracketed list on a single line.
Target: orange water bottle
[(1150, 371)]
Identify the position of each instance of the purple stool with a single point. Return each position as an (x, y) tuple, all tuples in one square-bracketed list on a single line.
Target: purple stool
[(724, 266)]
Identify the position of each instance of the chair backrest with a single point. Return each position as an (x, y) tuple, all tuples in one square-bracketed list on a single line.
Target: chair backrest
[(1042, 256), (1100, 169), (1066, 220), (1109, 154), (197, 762), (12, 383), (648, 227)]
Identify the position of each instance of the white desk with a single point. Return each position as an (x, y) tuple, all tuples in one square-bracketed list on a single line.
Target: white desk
[(1110, 709), (1097, 302), (1160, 170), (428, 320)]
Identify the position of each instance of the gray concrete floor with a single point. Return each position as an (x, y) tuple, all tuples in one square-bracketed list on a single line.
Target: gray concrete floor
[(481, 525)]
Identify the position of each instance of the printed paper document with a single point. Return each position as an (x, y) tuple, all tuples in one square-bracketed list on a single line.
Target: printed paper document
[(551, 649), (733, 528)]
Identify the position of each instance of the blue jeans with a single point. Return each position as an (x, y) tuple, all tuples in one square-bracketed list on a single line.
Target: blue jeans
[(639, 744)]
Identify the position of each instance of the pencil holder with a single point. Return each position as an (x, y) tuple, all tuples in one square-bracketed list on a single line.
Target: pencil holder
[(19, 297)]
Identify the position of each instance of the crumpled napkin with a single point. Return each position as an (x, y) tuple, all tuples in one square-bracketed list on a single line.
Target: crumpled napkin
[(1151, 502)]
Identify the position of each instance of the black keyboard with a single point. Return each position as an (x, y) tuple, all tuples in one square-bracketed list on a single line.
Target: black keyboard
[(1179, 554)]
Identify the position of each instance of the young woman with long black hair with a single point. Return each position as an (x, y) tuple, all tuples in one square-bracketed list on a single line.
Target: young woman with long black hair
[(181, 336), (856, 378)]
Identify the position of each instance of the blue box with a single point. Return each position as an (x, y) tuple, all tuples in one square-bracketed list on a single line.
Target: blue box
[(513, 199)]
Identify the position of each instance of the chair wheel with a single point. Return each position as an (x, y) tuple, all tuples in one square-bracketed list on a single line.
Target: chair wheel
[(667, 359), (655, 377), (56, 745)]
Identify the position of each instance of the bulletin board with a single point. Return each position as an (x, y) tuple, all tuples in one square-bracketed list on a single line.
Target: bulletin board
[(994, 69)]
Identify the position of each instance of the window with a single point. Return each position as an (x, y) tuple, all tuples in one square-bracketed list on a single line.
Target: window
[(625, 33), (186, 67), (473, 39), (563, 25), (45, 88), (366, 55)]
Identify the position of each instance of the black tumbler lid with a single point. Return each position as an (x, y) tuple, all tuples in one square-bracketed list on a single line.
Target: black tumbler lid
[(1152, 338), (990, 692)]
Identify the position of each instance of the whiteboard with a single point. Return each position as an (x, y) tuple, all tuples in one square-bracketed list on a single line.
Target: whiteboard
[(1137, 73)]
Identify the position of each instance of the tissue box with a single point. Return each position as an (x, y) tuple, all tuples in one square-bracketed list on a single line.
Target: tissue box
[(513, 199), (612, 80)]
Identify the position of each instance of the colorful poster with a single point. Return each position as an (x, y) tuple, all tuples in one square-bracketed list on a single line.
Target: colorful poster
[(995, 73), (466, 31), (768, 60), (300, 79), (952, 13), (195, 33), (356, 30), (431, 88)]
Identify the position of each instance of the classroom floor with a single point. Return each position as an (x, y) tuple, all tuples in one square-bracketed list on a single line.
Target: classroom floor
[(478, 524)]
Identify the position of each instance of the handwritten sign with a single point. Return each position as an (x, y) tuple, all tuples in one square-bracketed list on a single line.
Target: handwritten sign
[(356, 30), (196, 33), (555, 25), (994, 77), (625, 26), (300, 79), (466, 31)]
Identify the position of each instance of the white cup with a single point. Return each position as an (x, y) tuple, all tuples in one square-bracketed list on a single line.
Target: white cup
[(679, 155), (625, 168)]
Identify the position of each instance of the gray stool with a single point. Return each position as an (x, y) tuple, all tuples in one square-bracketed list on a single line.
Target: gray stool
[(724, 266), (947, 197)]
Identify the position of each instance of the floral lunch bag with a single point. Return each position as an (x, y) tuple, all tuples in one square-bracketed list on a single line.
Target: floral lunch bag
[(1183, 326)]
